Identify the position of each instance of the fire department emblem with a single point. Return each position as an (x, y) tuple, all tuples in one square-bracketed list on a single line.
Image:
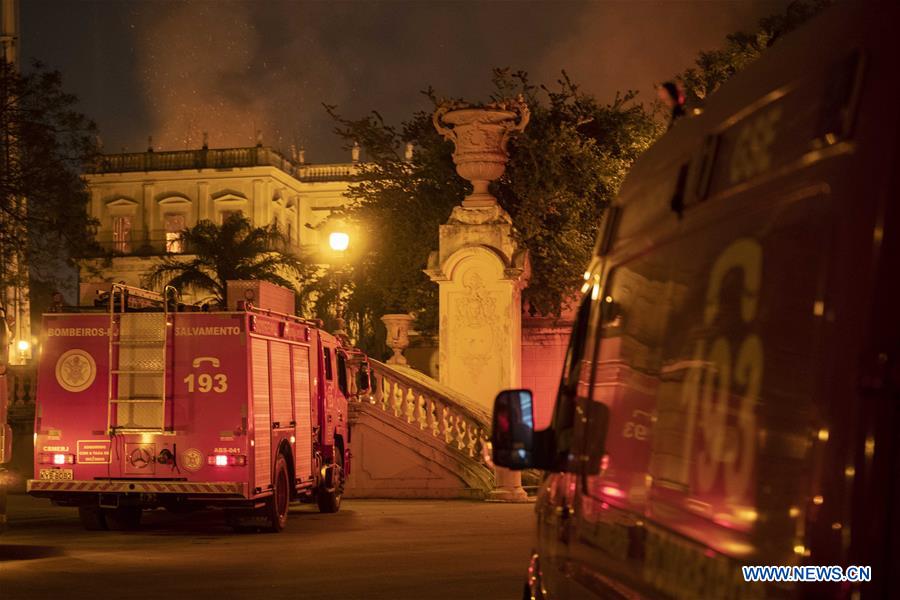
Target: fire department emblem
[(191, 459), (75, 370)]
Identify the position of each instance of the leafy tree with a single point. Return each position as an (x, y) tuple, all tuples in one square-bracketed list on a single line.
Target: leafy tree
[(714, 67), (562, 173), (44, 141), (563, 170), (233, 250)]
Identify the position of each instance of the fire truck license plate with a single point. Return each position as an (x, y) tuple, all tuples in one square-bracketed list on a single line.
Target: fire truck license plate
[(56, 474)]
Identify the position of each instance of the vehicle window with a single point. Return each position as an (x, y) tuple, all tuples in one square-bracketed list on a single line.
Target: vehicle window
[(575, 353), (342, 373), (327, 353), (574, 382), (637, 307)]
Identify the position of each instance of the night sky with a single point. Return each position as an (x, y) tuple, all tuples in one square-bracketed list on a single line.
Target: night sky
[(175, 69)]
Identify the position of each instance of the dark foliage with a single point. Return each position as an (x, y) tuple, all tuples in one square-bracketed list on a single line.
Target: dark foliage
[(44, 143), (714, 67), (233, 250)]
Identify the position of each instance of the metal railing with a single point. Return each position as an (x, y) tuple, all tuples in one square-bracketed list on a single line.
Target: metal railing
[(152, 247), (161, 247)]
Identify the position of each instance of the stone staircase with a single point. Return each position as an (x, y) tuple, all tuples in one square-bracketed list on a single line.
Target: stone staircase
[(415, 438)]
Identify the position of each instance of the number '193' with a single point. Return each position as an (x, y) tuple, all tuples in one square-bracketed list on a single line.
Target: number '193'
[(204, 382)]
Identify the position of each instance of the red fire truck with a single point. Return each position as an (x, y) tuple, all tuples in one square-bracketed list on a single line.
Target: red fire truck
[(143, 406)]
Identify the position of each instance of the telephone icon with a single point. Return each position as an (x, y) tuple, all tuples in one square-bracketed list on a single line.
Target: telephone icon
[(201, 359)]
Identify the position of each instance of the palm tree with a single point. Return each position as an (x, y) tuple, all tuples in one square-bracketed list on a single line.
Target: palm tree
[(233, 250)]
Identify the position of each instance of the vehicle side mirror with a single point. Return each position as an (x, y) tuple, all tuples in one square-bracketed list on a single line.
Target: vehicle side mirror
[(512, 435), (362, 381)]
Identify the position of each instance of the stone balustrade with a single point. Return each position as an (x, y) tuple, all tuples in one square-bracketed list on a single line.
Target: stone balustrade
[(421, 401), (327, 172), (21, 384), (415, 438), (221, 158)]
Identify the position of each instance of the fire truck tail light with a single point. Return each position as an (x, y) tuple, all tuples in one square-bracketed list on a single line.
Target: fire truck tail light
[(51, 458), (226, 460)]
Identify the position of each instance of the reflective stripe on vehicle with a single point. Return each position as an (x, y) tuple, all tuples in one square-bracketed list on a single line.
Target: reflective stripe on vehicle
[(148, 487)]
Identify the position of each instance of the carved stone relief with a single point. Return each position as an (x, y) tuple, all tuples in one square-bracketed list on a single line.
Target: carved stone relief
[(477, 315)]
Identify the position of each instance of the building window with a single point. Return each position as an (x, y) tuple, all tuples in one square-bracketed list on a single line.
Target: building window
[(223, 215), (121, 227), (174, 227), (290, 231)]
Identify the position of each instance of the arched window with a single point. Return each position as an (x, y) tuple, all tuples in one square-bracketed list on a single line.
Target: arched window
[(121, 233), (174, 211), (175, 225), (122, 218), (229, 202), (225, 214)]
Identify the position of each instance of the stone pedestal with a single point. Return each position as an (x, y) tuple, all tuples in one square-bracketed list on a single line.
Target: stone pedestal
[(481, 272), (509, 487), (479, 267)]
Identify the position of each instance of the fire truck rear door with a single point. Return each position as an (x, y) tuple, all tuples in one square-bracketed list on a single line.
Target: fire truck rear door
[(303, 393), (262, 422)]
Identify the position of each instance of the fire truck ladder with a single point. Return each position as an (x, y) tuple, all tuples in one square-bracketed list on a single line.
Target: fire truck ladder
[(137, 360)]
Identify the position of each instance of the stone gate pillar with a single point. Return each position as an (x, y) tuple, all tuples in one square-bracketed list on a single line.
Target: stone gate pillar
[(480, 268)]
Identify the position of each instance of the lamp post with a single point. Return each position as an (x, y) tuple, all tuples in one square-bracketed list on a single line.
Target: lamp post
[(339, 241)]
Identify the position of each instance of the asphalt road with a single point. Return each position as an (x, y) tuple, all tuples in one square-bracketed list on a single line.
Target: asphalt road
[(378, 549)]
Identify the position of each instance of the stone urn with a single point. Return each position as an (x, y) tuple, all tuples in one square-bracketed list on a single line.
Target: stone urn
[(480, 135), (397, 335)]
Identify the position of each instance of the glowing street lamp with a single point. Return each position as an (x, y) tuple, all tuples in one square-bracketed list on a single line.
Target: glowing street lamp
[(23, 346), (339, 241)]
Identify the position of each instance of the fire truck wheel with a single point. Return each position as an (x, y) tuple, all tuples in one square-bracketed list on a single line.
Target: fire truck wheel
[(124, 518), (92, 518), (329, 498), (277, 504)]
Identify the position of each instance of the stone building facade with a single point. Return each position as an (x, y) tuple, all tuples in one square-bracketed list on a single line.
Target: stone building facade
[(142, 202)]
